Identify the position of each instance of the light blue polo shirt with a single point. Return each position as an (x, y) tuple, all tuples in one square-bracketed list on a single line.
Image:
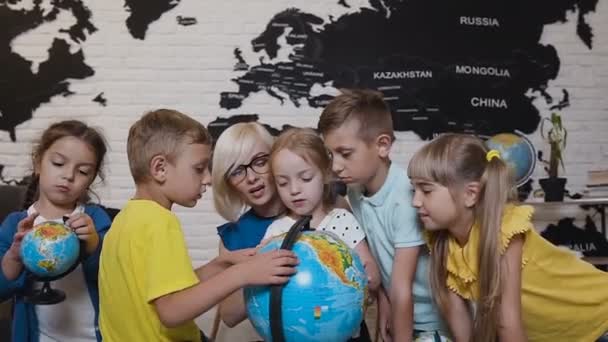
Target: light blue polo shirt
[(390, 222)]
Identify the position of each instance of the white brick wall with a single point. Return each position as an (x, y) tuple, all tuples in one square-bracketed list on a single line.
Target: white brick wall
[(186, 67)]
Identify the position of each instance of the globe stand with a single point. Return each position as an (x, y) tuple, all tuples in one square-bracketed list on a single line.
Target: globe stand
[(276, 291), (45, 295)]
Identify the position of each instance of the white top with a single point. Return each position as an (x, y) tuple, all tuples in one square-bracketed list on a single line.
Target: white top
[(73, 319), (340, 222)]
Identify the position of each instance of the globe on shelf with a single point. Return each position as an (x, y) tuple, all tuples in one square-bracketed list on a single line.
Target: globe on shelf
[(325, 299), (517, 152)]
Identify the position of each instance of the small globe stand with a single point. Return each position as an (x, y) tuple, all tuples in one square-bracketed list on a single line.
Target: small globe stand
[(47, 295), (276, 291)]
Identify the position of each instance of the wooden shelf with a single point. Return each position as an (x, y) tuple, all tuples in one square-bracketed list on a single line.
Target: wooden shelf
[(596, 260), (581, 201), (598, 203)]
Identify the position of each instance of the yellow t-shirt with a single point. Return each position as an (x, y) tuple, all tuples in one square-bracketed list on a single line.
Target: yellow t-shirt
[(563, 298), (144, 257)]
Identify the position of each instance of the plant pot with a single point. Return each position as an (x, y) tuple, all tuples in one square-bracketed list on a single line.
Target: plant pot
[(554, 188)]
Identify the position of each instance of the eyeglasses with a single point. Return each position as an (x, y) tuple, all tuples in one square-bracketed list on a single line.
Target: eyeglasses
[(258, 165)]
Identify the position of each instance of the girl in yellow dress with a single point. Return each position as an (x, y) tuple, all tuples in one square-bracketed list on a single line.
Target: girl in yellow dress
[(485, 250)]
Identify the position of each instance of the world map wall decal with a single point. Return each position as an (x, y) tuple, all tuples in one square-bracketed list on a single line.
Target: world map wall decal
[(23, 90), (473, 66), (442, 65)]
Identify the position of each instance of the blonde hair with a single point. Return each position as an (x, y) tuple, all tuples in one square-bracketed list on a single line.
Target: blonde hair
[(365, 106), (307, 144), (453, 160), (233, 148), (162, 131)]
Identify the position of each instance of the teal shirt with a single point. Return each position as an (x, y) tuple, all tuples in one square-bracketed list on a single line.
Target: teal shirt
[(390, 222)]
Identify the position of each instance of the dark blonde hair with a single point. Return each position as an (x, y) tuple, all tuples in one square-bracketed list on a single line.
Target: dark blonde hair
[(59, 130), (161, 131), (307, 144), (365, 106), (452, 160)]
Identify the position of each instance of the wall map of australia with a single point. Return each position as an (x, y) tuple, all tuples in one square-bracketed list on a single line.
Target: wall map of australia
[(442, 66)]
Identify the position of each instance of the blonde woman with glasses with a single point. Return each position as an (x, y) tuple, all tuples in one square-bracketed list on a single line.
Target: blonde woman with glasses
[(245, 195)]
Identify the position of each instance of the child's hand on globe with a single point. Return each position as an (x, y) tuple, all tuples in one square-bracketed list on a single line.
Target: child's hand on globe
[(23, 228), (238, 256), (270, 268), (262, 243), (83, 226)]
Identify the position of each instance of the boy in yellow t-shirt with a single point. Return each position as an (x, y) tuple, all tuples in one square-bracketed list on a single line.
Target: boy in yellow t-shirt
[(148, 288)]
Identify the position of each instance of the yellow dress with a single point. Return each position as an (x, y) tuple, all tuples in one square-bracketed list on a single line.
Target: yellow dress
[(563, 298)]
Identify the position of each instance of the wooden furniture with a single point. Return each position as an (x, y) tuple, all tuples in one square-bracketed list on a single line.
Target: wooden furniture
[(597, 203), (596, 260)]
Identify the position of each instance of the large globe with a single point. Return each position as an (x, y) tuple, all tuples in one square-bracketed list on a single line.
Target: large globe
[(323, 301), (49, 249), (517, 152)]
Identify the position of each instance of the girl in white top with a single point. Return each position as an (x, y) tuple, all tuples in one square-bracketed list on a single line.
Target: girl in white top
[(301, 167), (66, 161)]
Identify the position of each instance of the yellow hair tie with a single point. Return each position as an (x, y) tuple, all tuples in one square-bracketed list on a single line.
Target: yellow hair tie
[(492, 154)]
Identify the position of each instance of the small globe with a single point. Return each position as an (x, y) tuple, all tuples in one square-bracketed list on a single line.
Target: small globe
[(323, 301), (517, 152), (49, 249)]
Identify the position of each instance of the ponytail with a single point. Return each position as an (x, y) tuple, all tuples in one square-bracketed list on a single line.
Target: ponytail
[(31, 193), (438, 271), (496, 190)]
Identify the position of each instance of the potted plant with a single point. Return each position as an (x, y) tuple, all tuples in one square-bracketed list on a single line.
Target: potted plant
[(555, 134)]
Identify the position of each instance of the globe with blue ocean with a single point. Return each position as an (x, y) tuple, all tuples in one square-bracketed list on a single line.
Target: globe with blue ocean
[(49, 249), (517, 152), (324, 300)]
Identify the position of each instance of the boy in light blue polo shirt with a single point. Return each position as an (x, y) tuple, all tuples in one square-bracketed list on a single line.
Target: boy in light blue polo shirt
[(358, 130)]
